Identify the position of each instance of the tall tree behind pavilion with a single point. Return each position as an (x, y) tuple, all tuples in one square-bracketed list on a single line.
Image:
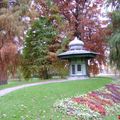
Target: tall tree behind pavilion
[(84, 21)]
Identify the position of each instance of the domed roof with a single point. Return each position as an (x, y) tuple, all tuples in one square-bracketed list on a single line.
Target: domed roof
[(76, 41), (76, 50)]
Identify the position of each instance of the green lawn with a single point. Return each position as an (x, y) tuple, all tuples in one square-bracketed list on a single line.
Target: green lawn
[(16, 83), (36, 103)]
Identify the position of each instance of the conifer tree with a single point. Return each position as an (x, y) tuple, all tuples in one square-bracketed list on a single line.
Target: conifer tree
[(36, 48)]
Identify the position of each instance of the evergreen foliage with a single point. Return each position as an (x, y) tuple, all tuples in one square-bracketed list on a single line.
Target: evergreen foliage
[(115, 40), (36, 48)]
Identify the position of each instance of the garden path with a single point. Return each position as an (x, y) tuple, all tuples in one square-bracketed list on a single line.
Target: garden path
[(11, 89)]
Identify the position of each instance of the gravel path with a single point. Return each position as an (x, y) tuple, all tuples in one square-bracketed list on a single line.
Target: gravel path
[(9, 90)]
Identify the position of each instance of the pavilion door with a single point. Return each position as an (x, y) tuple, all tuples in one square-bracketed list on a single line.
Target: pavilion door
[(73, 70), (76, 69)]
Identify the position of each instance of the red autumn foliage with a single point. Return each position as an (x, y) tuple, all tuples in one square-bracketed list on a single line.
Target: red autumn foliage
[(83, 17), (8, 60)]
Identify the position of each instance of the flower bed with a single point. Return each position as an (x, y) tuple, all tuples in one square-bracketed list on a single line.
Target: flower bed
[(92, 106)]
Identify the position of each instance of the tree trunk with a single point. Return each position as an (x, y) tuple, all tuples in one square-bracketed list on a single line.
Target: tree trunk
[(3, 77), (44, 73)]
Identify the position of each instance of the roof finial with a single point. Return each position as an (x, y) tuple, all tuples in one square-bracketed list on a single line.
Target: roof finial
[(76, 44), (78, 35)]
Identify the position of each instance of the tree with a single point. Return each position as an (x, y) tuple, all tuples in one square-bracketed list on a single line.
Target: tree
[(82, 18), (50, 11), (114, 37), (12, 26), (36, 49)]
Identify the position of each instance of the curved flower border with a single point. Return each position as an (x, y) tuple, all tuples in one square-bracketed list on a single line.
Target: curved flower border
[(94, 105)]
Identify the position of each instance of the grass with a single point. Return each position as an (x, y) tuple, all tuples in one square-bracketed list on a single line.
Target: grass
[(14, 83), (36, 103)]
